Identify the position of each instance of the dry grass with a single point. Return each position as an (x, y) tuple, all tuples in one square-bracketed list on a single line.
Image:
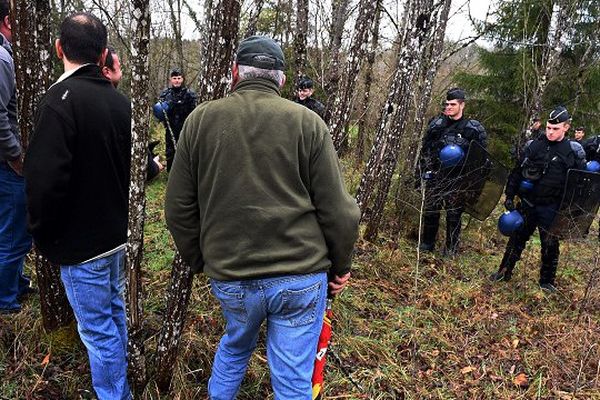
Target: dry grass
[(439, 331)]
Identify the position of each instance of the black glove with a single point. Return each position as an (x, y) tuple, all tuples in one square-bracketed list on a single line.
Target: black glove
[(509, 204)]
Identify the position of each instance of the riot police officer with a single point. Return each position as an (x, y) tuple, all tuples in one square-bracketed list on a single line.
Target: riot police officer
[(180, 102), (450, 128), (591, 147), (304, 96), (539, 180)]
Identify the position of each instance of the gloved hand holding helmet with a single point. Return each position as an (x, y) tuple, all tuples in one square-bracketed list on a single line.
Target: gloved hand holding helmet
[(160, 109)]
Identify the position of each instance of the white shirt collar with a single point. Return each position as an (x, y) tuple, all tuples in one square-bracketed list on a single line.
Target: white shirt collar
[(70, 72)]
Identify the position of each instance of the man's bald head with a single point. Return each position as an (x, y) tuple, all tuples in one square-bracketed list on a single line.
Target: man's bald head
[(83, 38)]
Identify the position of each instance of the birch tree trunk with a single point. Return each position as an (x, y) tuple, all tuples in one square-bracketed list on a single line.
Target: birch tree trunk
[(140, 131), (362, 122), (33, 66), (341, 105), (253, 21), (339, 14), (431, 64), (219, 48), (175, 16), (384, 154), (216, 64), (300, 39)]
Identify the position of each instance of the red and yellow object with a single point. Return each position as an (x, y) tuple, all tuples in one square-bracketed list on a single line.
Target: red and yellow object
[(324, 339)]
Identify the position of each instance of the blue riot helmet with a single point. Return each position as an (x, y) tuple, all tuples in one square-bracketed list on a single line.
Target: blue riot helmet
[(510, 222), (593, 166), (526, 185), (451, 155), (159, 110)]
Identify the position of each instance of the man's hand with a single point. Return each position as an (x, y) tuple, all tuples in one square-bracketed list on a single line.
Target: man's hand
[(338, 284), (509, 204), (17, 165), (158, 163)]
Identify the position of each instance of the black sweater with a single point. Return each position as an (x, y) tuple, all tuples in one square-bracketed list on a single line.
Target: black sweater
[(77, 169)]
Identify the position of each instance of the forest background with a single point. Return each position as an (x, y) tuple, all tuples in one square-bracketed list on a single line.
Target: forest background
[(410, 326)]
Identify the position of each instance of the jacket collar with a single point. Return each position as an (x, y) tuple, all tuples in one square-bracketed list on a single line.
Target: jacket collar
[(6, 44), (91, 70), (260, 84)]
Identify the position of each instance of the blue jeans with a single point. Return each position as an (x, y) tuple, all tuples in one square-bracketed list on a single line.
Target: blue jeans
[(15, 242), (293, 307), (93, 292)]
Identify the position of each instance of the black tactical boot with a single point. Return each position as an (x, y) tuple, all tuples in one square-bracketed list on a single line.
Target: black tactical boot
[(548, 287)]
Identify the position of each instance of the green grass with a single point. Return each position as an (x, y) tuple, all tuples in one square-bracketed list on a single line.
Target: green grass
[(436, 330)]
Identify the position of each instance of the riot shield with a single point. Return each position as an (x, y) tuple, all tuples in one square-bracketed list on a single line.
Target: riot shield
[(481, 182), (579, 205)]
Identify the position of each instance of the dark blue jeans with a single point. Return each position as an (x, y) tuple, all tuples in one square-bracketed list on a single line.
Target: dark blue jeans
[(15, 242)]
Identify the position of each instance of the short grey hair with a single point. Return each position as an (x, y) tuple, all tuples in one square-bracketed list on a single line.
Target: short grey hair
[(249, 72)]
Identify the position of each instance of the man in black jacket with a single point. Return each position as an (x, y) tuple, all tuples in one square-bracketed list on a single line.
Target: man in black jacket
[(181, 101), (77, 174), (305, 97), (450, 128), (544, 164)]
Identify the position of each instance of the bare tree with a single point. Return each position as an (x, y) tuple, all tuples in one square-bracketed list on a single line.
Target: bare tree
[(384, 155), (362, 121), (340, 107), (137, 191), (430, 64), (220, 43), (217, 60), (175, 16), (339, 15), (33, 66), (253, 21), (300, 39)]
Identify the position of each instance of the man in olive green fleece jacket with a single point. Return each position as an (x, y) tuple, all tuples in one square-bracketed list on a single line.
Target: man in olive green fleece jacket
[(256, 201)]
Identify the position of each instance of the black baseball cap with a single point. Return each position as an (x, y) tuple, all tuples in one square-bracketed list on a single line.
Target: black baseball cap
[(176, 72), (456, 94), (305, 83), (558, 115), (260, 52)]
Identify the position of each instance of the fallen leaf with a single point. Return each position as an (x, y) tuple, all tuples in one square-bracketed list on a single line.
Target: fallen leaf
[(515, 343), (494, 315), (521, 380), (46, 360), (466, 370), (512, 369)]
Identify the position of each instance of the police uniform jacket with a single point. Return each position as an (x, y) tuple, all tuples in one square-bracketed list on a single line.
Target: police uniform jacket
[(313, 105), (545, 164), (182, 102), (443, 131), (592, 148)]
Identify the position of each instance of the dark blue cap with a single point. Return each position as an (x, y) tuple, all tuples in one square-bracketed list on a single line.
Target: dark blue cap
[(456, 94), (558, 115)]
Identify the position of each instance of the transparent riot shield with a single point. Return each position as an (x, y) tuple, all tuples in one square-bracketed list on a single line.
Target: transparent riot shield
[(579, 205), (481, 182)]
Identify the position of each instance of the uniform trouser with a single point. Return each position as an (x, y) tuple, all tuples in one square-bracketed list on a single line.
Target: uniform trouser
[(540, 217), (170, 143), (435, 201)]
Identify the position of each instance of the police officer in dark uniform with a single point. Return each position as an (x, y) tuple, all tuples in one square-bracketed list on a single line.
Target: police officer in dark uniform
[(591, 147), (181, 101), (539, 180), (304, 96), (450, 128)]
